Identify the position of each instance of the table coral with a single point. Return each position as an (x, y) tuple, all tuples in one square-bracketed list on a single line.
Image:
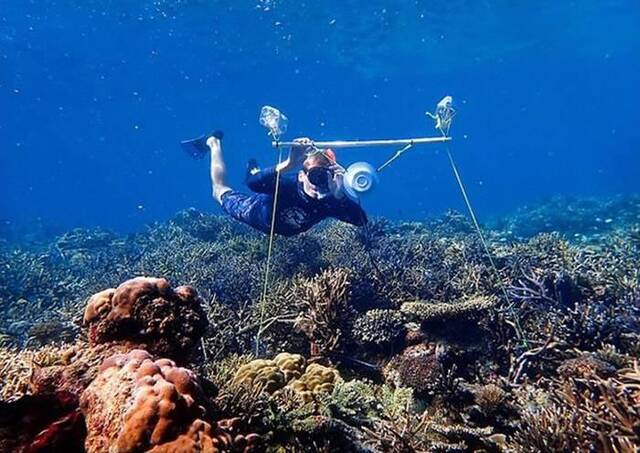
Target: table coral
[(441, 311), (147, 311)]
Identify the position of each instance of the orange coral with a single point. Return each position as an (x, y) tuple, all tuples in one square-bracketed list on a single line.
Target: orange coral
[(98, 305), (137, 403)]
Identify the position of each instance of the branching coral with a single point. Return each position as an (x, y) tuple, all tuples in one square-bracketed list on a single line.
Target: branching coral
[(326, 312), (379, 327), (586, 414)]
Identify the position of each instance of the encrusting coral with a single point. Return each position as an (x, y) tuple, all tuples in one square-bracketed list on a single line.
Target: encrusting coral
[(418, 367)]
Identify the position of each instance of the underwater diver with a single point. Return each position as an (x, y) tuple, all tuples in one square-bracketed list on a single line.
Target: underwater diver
[(316, 193)]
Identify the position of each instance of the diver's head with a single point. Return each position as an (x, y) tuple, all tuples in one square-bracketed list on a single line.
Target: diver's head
[(317, 174)]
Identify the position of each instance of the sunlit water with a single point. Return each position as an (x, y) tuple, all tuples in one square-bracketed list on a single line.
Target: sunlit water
[(96, 95)]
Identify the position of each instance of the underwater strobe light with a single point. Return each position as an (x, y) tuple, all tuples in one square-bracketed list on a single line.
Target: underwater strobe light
[(359, 179)]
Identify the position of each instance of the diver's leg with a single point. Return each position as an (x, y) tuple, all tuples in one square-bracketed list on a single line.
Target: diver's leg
[(253, 210), (218, 169)]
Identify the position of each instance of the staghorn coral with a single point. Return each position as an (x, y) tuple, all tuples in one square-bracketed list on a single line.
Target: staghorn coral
[(592, 414), (379, 327), (147, 311), (443, 311), (326, 312)]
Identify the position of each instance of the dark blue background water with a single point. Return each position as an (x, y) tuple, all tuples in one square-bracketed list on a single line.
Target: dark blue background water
[(95, 95)]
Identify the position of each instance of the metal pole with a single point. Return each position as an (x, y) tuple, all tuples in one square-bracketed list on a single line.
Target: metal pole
[(366, 143)]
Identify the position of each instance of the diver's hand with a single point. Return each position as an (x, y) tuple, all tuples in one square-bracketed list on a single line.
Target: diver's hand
[(336, 184), (299, 150)]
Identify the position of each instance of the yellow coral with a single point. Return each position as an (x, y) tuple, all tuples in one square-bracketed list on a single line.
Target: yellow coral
[(271, 375), (291, 365), (261, 372), (288, 370), (316, 379)]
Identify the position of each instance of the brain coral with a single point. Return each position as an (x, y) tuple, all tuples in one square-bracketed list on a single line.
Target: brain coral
[(147, 311), (137, 404)]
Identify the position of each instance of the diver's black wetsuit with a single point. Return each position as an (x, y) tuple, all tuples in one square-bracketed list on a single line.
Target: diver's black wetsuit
[(296, 211)]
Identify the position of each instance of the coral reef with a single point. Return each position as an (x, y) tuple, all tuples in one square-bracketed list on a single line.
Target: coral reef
[(401, 336)]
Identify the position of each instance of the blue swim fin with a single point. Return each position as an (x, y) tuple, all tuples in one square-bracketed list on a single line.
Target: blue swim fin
[(197, 147)]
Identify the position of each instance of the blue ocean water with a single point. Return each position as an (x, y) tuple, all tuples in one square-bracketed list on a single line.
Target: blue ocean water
[(95, 96)]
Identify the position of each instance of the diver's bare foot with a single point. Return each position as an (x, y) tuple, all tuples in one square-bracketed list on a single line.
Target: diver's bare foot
[(213, 143)]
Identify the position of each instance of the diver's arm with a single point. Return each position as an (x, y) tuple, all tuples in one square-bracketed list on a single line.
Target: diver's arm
[(297, 154)]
